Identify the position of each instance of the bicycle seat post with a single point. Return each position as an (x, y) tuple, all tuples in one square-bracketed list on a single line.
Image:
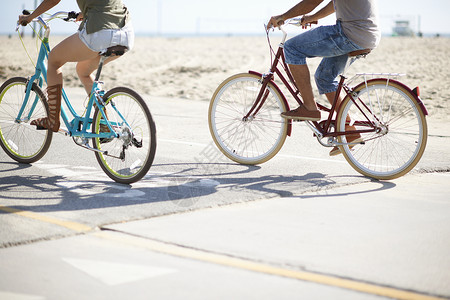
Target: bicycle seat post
[(113, 50), (354, 55), (100, 67)]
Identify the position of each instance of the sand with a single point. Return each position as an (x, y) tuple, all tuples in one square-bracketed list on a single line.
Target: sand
[(192, 67)]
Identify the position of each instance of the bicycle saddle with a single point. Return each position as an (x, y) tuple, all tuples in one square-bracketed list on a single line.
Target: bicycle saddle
[(115, 50), (362, 52)]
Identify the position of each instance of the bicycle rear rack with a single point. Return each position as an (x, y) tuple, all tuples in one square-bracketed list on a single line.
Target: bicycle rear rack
[(369, 76)]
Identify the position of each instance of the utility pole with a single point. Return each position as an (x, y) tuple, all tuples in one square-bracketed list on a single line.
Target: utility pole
[(34, 24), (159, 17)]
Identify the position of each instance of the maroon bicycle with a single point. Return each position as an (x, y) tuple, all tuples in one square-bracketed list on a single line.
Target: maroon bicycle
[(245, 122)]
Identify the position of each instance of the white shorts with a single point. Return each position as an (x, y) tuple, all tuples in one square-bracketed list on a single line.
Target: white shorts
[(105, 38)]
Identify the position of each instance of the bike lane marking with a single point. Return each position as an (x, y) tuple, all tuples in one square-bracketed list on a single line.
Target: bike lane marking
[(78, 227), (278, 155), (244, 264)]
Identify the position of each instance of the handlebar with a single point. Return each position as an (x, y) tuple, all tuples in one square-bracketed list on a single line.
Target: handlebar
[(66, 16), (298, 22), (295, 22)]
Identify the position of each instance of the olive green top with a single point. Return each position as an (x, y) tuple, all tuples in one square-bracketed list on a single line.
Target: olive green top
[(102, 14)]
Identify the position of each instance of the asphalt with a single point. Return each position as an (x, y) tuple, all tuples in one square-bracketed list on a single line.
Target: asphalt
[(302, 226)]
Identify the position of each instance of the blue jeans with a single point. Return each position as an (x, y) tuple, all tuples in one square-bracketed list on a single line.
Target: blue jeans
[(328, 42)]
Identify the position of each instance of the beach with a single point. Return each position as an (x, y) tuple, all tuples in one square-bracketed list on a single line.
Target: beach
[(192, 67)]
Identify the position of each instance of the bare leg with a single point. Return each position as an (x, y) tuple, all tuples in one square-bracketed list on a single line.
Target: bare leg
[(303, 81), (308, 111), (85, 71), (330, 97), (351, 138), (72, 49)]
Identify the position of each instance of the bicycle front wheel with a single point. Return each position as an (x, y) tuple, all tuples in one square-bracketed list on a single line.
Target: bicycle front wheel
[(247, 140), (127, 158), (21, 141), (401, 129)]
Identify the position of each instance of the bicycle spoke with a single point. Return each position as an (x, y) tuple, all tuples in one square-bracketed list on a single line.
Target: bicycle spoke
[(21, 141), (128, 158), (253, 139), (401, 140)]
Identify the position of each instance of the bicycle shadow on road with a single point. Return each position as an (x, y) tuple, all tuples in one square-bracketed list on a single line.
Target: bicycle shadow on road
[(257, 184), (330, 193), (10, 167), (187, 186)]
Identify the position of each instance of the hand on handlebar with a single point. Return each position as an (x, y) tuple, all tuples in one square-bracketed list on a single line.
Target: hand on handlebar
[(24, 20), (275, 21), (80, 17), (278, 21), (307, 21)]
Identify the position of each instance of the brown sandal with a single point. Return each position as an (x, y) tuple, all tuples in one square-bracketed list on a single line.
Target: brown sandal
[(51, 122), (352, 139)]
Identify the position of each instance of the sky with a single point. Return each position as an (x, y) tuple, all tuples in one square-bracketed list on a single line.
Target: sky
[(180, 17)]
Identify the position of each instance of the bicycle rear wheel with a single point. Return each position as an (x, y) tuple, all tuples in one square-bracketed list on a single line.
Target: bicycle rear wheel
[(253, 140), (21, 141), (401, 136), (128, 158)]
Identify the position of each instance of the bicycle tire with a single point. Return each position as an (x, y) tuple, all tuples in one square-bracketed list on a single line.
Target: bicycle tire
[(137, 140), (20, 140), (401, 139), (257, 139)]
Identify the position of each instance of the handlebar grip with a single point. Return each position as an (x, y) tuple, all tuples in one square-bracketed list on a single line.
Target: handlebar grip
[(71, 15), (25, 13)]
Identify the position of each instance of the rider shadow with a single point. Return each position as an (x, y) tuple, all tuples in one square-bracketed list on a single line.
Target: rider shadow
[(188, 186), (10, 167), (383, 185), (252, 185), (270, 186), (55, 193)]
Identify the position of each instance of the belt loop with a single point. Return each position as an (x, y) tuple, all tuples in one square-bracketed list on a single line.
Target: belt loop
[(339, 26)]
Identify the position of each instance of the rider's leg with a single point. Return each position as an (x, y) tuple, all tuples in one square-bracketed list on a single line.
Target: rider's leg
[(303, 81), (98, 42), (351, 138), (309, 110), (323, 41), (86, 68), (72, 49)]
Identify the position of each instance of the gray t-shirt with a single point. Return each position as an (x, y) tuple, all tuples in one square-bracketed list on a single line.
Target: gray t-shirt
[(359, 20)]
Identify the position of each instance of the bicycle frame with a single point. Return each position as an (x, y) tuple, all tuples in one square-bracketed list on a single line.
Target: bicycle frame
[(289, 83), (77, 126)]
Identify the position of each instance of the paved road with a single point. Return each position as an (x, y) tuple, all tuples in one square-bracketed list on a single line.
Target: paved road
[(66, 229)]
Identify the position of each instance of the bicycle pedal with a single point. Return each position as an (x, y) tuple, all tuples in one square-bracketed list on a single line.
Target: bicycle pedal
[(105, 140), (40, 128)]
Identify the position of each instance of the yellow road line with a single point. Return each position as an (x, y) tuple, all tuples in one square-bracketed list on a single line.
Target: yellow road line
[(78, 227), (239, 263)]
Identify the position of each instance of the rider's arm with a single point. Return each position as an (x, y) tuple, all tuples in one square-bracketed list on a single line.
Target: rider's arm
[(42, 8), (324, 12), (302, 8)]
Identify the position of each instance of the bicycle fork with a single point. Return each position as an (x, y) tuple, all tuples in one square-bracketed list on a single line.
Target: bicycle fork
[(260, 99)]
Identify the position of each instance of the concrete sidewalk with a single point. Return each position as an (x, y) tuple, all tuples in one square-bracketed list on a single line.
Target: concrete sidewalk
[(394, 234)]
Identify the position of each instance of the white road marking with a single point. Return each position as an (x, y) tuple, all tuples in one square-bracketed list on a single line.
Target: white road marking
[(17, 296), (112, 273), (278, 155)]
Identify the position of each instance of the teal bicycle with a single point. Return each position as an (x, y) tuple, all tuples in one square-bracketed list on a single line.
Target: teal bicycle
[(116, 124)]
